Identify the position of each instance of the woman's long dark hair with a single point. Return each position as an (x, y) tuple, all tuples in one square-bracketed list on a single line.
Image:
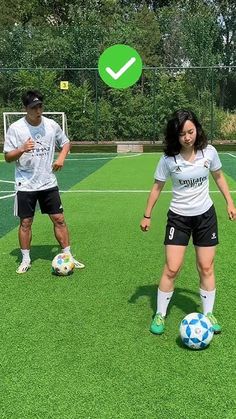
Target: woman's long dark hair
[(174, 126)]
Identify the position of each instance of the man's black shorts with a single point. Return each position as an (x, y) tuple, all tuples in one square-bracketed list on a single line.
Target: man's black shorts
[(203, 229), (49, 201)]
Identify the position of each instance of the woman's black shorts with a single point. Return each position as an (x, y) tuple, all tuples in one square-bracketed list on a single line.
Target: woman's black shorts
[(203, 229)]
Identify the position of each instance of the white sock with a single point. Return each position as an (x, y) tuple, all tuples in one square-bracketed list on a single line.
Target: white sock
[(25, 255), (208, 299), (163, 299), (66, 250)]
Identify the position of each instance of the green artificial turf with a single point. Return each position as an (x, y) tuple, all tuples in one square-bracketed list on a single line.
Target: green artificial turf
[(80, 346)]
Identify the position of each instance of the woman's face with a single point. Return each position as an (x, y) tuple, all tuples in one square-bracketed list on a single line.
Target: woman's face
[(188, 135)]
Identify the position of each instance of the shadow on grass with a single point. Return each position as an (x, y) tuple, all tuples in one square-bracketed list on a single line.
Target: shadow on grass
[(45, 252), (184, 302), (182, 298), (183, 346)]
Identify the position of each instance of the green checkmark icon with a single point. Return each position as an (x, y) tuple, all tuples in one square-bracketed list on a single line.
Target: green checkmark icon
[(120, 66)]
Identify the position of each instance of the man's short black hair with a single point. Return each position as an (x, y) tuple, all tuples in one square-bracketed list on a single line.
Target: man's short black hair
[(32, 98)]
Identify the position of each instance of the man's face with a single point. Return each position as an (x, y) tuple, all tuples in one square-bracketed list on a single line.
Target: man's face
[(34, 114)]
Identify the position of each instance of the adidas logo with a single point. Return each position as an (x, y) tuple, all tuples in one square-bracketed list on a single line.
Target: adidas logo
[(178, 169), (213, 236)]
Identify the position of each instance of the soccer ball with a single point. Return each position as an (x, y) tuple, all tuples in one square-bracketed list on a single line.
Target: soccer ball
[(63, 264), (196, 331)]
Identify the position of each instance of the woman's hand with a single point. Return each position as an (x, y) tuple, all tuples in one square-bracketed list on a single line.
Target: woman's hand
[(231, 211), (145, 224)]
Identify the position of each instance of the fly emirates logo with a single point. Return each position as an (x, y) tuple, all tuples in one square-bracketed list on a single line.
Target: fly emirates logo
[(192, 183)]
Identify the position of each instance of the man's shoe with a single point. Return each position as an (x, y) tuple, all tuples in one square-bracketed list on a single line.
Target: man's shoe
[(158, 324), (215, 325), (78, 265), (23, 268)]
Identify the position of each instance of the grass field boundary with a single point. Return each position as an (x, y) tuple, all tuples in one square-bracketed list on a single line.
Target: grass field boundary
[(108, 156)]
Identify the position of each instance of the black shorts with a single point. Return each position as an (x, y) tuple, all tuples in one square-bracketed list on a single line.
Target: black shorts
[(203, 229), (49, 201)]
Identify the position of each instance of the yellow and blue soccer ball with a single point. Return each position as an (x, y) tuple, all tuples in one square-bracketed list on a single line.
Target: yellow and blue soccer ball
[(63, 264), (196, 331)]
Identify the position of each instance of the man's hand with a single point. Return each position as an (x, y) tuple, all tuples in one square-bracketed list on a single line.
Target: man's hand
[(58, 165), (17, 153), (28, 146)]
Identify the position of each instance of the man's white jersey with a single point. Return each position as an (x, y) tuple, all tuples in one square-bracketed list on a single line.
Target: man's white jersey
[(34, 169), (190, 180)]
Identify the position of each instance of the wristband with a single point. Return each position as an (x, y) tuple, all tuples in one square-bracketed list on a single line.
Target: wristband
[(147, 217)]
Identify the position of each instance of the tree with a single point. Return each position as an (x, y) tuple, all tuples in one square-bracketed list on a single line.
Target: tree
[(226, 12)]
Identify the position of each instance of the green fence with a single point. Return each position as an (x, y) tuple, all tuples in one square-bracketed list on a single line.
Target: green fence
[(98, 113)]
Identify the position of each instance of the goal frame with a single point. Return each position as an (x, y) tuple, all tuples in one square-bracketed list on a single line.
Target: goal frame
[(63, 125)]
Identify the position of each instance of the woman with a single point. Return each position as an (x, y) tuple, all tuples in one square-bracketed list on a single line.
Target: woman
[(188, 160)]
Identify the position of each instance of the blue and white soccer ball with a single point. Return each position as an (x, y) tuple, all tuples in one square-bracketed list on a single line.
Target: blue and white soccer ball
[(196, 331)]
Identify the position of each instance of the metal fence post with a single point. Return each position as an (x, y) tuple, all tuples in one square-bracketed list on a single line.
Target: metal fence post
[(96, 106), (154, 107), (212, 107)]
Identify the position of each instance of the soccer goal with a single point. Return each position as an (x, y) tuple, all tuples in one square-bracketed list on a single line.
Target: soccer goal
[(10, 117)]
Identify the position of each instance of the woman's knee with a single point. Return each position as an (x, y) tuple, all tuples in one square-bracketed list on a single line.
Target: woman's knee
[(172, 271), (205, 268)]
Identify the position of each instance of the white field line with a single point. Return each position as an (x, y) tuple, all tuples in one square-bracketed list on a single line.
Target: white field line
[(104, 158), (7, 196), (119, 191), (109, 191), (232, 155), (6, 181), (118, 156)]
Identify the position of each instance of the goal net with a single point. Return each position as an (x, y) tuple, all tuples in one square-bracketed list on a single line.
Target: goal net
[(10, 117)]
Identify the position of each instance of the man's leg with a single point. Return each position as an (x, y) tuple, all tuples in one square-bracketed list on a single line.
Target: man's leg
[(62, 235), (25, 237), (60, 229)]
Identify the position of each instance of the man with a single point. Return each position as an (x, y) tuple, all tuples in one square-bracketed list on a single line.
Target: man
[(31, 142)]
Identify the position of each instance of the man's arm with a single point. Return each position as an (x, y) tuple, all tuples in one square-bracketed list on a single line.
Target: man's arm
[(17, 153), (59, 162)]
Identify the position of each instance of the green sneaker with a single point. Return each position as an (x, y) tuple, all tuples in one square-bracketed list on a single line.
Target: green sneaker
[(158, 324), (216, 327)]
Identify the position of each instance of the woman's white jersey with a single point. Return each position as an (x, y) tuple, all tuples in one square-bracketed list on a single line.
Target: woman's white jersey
[(190, 180), (34, 169)]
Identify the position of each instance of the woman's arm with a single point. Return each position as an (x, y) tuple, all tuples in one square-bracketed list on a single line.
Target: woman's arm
[(224, 189), (152, 199)]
